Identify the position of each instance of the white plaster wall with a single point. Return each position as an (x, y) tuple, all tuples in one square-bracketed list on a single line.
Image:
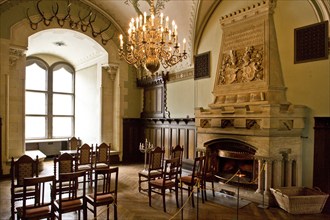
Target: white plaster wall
[(307, 83), (88, 98), (180, 101)]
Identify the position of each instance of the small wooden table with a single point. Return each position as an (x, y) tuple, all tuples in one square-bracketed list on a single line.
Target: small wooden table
[(72, 152), (33, 154)]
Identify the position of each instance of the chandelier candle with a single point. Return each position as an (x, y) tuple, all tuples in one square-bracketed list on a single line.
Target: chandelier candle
[(151, 43)]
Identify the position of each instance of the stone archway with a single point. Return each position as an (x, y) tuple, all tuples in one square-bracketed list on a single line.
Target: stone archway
[(13, 53)]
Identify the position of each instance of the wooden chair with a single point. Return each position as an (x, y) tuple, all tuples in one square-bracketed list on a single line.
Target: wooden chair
[(74, 143), (83, 160), (70, 197), (108, 193), (155, 167), (102, 156), (177, 152), (24, 167), (63, 164), (195, 179), (169, 180), (43, 205)]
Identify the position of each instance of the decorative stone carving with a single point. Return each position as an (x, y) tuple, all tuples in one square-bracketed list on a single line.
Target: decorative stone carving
[(252, 124), (181, 75), (112, 69), (14, 55), (239, 66), (286, 124), (227, 123), (249, 63), (204, 123)]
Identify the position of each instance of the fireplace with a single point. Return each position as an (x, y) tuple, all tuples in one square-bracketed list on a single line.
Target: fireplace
[(250, 126), (233, 156)]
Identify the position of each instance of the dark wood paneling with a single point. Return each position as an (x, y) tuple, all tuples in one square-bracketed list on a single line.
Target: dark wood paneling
[(132, 136), (321, 156), (160, 132)]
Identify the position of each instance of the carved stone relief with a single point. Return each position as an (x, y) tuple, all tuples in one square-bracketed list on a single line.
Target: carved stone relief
[(244, 65), (14, 55)]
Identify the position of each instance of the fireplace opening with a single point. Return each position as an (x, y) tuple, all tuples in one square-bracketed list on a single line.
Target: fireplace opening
[(234, 156), (229, 166)]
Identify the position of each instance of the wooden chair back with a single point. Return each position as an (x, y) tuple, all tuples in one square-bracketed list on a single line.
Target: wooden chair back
[(42, 206), (198, 169), (83, 160), (155, 167), (171, 168), (211, 163), (105, 190), (74, 143), (177, 152), (210, 170), (23, 167), (63, 164), (102, 155), (70, 196), (84, 155), (156, 159)]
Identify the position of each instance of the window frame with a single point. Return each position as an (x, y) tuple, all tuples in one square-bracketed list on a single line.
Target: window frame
[(49, 116)]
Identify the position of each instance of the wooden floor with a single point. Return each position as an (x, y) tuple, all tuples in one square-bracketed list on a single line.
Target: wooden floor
[(133, 205)]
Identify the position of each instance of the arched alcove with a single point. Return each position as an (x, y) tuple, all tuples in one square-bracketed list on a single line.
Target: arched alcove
[(107, 79)]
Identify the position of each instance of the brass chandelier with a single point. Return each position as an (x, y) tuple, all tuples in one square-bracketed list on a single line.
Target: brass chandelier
[(151, 42)]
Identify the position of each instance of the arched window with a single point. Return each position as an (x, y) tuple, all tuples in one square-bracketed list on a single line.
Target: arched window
[(49, 100)]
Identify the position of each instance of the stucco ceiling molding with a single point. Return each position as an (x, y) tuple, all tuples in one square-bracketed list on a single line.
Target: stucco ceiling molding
[(322, 10)]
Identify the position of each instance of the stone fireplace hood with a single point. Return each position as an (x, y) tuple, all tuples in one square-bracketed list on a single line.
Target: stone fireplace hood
[(250, 102)]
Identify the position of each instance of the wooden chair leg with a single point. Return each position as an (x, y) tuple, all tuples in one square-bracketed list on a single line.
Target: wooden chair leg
[(108, 212), (191, 191), (139, 183), (177, 196), (85, 212), (201, 189), (164, 203), (149, 195), (12, 210), (115, 213)]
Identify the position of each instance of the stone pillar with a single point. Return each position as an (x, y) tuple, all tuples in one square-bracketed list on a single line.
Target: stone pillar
[(288, 172), (277, 172), (260, 177), (16, 103), (268, 175), (109, 73)]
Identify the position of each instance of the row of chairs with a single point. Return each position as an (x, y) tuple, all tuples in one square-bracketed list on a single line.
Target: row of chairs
[(65, 195), (85, 159), (26, 168), (166, 174)]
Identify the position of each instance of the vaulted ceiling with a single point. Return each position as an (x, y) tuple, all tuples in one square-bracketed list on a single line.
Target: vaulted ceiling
[(189, 15)]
